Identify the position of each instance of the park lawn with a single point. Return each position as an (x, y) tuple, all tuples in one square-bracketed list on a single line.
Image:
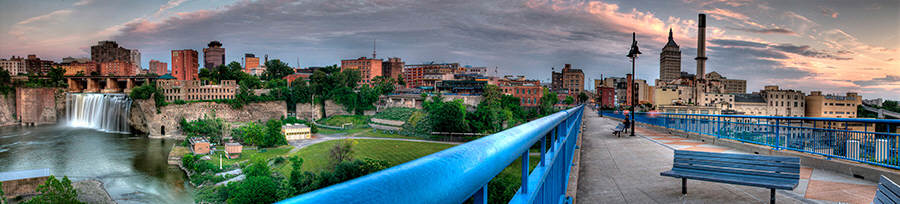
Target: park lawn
[(394, 152), (327, 131), (250, 155), (371, 133), (338, 120)]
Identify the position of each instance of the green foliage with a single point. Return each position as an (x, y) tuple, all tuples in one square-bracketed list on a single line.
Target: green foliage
[(6, 84), (53, 78), (396, 113), (569, 100), (2, 195), (232, 71), (194, 164), (276, 69), (582, 97), (255, 189), (147, 91), (257, 168), (56, 191), (547, 101), (211, 128), (262, 135), (447, 116)]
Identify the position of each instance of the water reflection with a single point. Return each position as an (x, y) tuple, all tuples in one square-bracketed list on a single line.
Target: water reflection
[(132, 167)]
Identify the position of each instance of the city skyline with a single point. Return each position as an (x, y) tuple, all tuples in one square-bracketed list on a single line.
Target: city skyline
[(831, 46)]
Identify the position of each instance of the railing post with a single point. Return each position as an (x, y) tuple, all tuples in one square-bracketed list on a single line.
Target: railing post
[(481, 196), (525, 172), (543, 149)]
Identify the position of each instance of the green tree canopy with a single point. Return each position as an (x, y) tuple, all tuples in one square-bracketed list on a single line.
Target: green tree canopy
[(276, 69), (56, 191)]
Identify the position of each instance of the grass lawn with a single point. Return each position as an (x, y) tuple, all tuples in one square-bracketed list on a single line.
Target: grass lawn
[(370, 133), (250, 155), (316, 157), (338, 120), (327, 131)]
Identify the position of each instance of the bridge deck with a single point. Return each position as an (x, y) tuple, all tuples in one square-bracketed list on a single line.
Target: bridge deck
[(626, 170)]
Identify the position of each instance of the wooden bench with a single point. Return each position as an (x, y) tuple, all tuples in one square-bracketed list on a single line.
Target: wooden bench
[(617, 131), (888, 192), (772, 172)]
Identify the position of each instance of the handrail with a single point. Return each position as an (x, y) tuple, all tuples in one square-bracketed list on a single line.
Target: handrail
[(455, 174), (862, 120)]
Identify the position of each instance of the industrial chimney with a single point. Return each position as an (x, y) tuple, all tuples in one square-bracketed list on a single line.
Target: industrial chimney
[(701, 48)]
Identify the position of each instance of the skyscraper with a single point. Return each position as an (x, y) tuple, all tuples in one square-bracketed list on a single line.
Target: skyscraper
[(213, 55), (185, 64), (670, 61), (108, 51)]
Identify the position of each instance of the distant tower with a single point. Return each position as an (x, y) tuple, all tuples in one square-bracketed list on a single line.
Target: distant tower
[(373, 49), (670, 61), (701, 47)]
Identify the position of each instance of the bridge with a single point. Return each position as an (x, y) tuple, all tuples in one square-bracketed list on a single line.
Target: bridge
[(882, 112), (105, 84), (581, 161)]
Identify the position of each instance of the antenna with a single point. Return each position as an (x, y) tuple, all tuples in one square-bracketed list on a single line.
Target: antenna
[(373, 48)]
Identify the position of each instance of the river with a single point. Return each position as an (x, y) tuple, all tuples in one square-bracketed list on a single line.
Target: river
[(133, 168)]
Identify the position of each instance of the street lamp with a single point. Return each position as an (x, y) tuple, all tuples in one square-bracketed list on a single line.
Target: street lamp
[(633, 54)]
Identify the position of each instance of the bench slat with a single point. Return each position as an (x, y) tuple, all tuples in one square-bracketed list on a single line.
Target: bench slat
[(743, 161), (739, 156), (888, 191), (739, 171), (739, 180), (731, 174), (730, 165)]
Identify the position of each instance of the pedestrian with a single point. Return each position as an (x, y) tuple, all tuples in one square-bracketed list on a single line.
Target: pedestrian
[(627, 122)]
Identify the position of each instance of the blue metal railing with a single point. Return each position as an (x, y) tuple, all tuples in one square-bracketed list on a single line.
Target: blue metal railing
[(870, 141), (456, 174)]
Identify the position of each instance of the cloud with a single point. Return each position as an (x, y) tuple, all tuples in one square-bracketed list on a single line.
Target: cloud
[(30, 25), (169, 5), (805, 50), (886, 80), (83, 2), (769, 31), (829, 12)]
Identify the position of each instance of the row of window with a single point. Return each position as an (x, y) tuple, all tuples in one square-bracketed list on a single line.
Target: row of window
[(839, 112), (781, 103)]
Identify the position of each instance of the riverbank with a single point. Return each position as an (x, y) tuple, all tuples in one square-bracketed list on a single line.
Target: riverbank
[(92, 191)]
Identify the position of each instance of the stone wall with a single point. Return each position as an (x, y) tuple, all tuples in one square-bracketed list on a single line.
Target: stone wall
[(35, 106), (306, 110), (164, 123), (8, 109)]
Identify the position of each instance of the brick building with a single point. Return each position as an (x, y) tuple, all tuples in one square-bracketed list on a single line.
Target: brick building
[(607, 96), (790, 103), (529, 92), (33, 64), (419, 75), (569, 79), (251, 64), (159, 68), (184, 64), (368, 68), (192, 90), (117, 68), (392, 67), (213, 55), (83, 68), (108, 51)]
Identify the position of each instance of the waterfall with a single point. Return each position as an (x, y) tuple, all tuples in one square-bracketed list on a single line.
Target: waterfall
[(105, 112)]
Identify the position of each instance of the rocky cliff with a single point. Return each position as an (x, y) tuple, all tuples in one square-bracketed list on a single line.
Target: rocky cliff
[(164, 123), (7, 109), (35, 106)]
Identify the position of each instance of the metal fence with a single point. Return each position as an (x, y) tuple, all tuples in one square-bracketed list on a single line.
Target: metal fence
[(870, 141), (462, 172)]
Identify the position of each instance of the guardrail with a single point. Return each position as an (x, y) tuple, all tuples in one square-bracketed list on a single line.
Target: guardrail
[(870, 141), (456, 174)]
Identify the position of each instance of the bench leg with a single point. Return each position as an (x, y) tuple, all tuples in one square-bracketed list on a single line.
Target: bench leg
[(683, 186), (772, 201)]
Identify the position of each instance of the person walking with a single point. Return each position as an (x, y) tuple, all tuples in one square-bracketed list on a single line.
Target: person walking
[(627, 123)]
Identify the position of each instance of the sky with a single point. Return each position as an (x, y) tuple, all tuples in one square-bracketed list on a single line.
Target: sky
[(834, 46)]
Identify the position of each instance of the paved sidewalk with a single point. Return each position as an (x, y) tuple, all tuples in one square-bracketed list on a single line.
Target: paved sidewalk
[(626, 170)]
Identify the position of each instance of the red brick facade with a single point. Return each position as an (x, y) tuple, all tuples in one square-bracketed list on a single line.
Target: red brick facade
[(185, 64)]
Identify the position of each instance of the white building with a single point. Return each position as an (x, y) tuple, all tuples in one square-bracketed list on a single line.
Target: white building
[(14, 66), (296, 132)]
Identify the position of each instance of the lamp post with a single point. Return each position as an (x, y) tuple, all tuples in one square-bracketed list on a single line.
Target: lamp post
[(633, 54)]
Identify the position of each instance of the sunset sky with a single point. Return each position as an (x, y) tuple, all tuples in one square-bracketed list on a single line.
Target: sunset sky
[(830, 45)]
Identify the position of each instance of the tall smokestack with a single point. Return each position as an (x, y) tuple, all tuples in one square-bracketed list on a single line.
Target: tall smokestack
[(701, 48)]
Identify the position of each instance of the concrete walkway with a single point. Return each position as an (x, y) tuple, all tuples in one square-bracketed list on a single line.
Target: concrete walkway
[(626, 170)]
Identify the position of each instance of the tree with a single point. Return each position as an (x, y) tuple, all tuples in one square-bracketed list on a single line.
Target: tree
[(547, 101), (204, 127), (2, 195), (273, 134), (6, 85), (57, 78), (569, 100), (384, 84), (276, 69), (582, 97), (449, 117), (56, 191), (257, 167), (342, 151), (255, 189), (251, 133)]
